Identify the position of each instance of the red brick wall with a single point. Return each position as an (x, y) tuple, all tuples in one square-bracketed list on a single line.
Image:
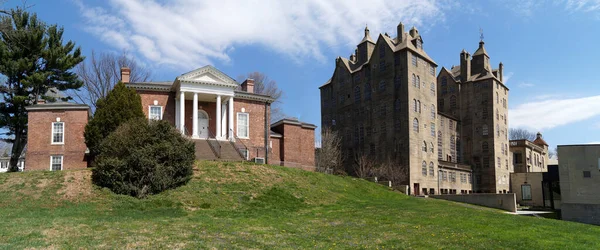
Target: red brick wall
[(39, 147), (256, 112), (165, 99), (275, 154), (297, 146)]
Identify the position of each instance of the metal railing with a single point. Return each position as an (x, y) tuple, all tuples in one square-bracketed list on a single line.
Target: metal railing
[(239, 145), (214, 144)]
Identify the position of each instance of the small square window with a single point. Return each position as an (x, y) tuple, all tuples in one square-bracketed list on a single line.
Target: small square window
[(587, 174), (155, 113)]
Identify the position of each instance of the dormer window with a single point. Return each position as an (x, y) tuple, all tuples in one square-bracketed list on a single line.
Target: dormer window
[(419, 44)]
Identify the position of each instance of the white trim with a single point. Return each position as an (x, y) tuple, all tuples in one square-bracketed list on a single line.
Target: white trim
[(52, 134), (237, 131), (150, 112), (61, 161)]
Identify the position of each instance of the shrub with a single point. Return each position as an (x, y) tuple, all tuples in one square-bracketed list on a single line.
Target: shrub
[(119, 106), (143, 157)]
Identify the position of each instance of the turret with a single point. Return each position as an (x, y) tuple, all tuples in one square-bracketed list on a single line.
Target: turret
[(481, 60), (365, 48)]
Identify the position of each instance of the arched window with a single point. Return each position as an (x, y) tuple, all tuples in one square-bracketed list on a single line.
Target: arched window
[(432, 111), (484, 129), (415, 105), (485, 147), (419, 106), (497, 115), (424, 168), (432, 87), (497, 98), (424, 148), (414, 81), (357, 94), (416, 125), (418, 82), (484, 113), (432, 126), (440, 145), (431, 169), (397, 104), (368, 91), (431, 147), (453, 101)]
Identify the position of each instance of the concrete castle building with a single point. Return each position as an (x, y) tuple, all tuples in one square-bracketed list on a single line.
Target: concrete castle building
[(447, 132)]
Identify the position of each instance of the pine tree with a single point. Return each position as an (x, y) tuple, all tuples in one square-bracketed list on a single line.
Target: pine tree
[(33, 59), (119, 106)]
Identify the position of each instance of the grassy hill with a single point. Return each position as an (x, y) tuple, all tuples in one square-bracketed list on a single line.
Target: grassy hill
[(229, 205)]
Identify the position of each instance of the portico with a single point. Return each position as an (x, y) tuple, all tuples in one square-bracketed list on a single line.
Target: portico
[(205, 104)]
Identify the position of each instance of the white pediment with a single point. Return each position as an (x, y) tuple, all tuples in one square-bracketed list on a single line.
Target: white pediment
[(208, 75)]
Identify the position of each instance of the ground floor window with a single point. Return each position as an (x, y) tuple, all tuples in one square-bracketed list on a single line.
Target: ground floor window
[(4, 165), (526, 192), (155, 113), (242, 125), (56, 162), (245, 153), (431, 191)]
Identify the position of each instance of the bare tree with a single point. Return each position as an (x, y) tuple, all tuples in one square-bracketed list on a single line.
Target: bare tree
[(392, 171), (520, 134), (330, 154), (364, 165), (101, 72), (265, 86)]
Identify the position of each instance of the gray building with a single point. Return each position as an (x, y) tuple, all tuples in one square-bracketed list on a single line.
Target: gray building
[(579, 171)]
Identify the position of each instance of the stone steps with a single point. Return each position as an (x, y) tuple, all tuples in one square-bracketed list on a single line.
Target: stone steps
[(205, 152)]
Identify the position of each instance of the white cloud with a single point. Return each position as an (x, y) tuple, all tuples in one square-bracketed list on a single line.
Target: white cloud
[(507, 77), (527, 8), (190, 33), (525, 85), (548, 114)]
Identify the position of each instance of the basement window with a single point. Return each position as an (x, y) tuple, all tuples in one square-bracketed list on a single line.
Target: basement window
[(587, 174), (56, 162)]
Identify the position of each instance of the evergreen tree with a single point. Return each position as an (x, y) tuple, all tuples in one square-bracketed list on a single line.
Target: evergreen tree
[(119, 106), (33, 60)]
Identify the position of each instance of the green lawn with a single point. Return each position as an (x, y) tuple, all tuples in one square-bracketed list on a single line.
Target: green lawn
[(229, 205)]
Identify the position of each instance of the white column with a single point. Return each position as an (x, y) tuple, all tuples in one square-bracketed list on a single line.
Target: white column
[(195, 117), (177, 113), (230, 123), (182, 112), (223, 120), (218, 120)]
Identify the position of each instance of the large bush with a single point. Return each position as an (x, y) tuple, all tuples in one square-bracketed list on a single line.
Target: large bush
[(119, 106), (143, 157)]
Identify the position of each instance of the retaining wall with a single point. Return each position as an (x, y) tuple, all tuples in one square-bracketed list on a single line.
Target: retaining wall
[(506, 202)]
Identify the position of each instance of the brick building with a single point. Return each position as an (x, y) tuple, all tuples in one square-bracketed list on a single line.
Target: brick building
[(226, 121), (385, 102)]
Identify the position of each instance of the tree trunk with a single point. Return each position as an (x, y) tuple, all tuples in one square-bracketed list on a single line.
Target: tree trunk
[(17, 149)]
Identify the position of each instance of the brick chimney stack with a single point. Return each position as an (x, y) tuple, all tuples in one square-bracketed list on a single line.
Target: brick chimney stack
[(248, 85), (125, 73)]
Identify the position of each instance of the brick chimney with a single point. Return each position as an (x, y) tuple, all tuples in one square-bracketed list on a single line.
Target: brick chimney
[(125, 72), (248, 85)]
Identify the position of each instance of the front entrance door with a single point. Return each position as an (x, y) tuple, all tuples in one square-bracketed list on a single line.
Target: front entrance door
[(202, 124), (416, 189)]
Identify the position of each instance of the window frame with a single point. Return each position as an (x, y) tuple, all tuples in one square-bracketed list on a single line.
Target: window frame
[(61, 162), (247, 125), (62, 142), (150, 112)]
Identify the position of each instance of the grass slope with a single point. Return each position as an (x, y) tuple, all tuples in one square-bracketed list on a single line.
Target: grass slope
[(229, 205)]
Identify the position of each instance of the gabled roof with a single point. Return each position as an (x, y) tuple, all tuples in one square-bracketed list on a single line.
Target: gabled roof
[(480, 50), (193, 75)]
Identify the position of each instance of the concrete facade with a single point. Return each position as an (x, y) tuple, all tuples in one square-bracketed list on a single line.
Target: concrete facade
[(579, 170), (529, 156), (40, 146), (500, 201), (531, 183), (386, 101)]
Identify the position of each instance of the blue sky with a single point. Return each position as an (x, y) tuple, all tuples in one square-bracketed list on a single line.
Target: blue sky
[(549, 48)]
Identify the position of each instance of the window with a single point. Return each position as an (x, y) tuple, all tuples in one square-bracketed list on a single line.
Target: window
[(4, 165), (526, 192), (441, 104), (381, 65), (444, 175), (243, 125), (484, 113), (484, 129), (431, 168), (245, 153), (497, 130), (58, 133), (440, 145), (397, 81), (155, 113), (432, 111), (424, 168), (414, 59), (485, 147), (431, 147), (397, 104), (415, 105), (418, 82), (432, 87), (382, 86), (419, 44), (432, 125), (368, 91), (431, 70), (444, 85), (453, 101), (499, 163), (470, 180), (424, 148), (419, 106), (451, 125), (416, 125), (497, 115), (414, 80), (56, 162), (357, 94), (587, 174), (453, 147), (381, 51)]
